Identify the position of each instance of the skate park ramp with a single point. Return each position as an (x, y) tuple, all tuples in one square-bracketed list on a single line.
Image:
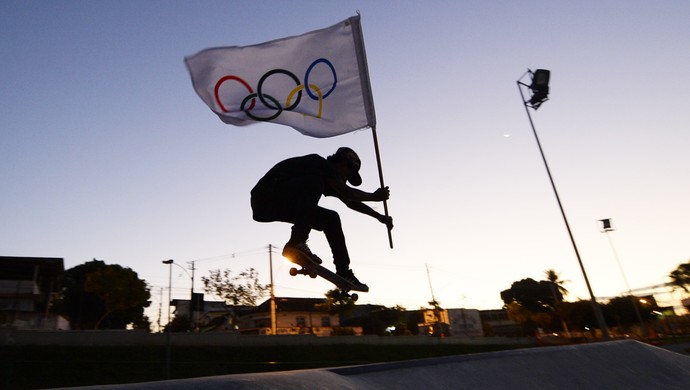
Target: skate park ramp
[(623, 364)]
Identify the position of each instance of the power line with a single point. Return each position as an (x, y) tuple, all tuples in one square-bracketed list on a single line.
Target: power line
[(234, 255)]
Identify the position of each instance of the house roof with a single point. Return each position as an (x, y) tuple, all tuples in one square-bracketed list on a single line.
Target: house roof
[(23, 268), (45, 271)]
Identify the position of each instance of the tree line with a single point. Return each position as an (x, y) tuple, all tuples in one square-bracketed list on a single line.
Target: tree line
[(96, 295)]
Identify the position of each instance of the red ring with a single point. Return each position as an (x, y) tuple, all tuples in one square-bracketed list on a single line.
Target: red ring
[(226, 78)]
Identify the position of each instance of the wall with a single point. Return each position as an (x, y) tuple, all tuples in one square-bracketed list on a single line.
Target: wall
[(133, 337)]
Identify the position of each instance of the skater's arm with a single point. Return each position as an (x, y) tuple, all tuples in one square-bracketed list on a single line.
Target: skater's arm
[(364, 209), (349, 194), (353, 198)]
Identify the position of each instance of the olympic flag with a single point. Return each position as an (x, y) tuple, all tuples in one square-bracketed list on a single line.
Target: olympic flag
[(317, 83)]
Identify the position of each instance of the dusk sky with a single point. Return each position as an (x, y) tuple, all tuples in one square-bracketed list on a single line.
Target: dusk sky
[(108, 153)]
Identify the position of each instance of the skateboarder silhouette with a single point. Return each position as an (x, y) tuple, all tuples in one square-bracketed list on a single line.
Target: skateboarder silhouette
[(291, 190)]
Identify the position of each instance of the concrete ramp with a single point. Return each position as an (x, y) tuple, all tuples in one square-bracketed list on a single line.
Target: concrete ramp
[(608, 365)]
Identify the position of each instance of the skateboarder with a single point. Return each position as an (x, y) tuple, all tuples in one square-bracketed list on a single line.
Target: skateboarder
[(291, 190)]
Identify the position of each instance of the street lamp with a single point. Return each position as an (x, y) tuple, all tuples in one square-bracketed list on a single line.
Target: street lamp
[(539, 90), (191, 297), (170, 263), (167, 330)]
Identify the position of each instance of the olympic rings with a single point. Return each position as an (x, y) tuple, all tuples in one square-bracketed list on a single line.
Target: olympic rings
[(313, 91)]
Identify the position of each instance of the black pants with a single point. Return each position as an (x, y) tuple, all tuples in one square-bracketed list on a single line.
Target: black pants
[(296, 201)]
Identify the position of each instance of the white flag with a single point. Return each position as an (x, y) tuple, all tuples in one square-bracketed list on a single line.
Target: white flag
[(317, 83)]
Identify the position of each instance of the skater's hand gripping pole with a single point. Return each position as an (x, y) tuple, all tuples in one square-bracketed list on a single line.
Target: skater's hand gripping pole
[(389, 226)]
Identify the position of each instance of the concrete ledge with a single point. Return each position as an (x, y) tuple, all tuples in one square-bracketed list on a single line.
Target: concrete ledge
[(611, 365)]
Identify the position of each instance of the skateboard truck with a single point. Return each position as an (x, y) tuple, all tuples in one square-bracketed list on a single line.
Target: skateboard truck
[(311, 269), (313, 273), (342, 287)]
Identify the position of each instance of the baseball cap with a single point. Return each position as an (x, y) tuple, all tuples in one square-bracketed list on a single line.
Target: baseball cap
[(352, 160)]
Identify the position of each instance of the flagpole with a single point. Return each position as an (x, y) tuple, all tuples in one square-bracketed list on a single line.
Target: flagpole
[(368, 98), (378, 164)]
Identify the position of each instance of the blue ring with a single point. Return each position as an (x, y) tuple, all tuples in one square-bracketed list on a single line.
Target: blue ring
[(306, 78)]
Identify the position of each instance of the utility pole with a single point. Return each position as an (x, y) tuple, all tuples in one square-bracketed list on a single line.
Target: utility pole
[(160, 308), (436, 309), (273, 296), (428, 276)]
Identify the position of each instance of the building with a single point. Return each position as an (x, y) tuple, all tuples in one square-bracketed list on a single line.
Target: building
[(434, 322), (211, 316), (465, 323), (293, 316), (497, 323), (28, 286)]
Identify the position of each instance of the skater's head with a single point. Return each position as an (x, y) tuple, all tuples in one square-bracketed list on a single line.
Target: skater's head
[(349, 159)]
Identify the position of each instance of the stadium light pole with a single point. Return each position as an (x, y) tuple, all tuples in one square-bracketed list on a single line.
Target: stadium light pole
[(539, 90), (606, 228)]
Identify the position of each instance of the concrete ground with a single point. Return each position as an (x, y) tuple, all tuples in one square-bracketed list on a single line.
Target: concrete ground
[(625, 364)]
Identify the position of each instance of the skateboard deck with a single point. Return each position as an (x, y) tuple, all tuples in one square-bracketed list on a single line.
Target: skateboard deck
[(312, 269)]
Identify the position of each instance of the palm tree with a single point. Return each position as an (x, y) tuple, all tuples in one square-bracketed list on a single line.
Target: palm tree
[(557, 285), (553, 277), (680, 277)]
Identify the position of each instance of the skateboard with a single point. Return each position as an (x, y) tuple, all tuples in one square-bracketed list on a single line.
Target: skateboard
[(308, 267)]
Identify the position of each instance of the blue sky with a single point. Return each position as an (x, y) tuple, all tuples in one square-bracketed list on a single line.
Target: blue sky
[(108, 153)]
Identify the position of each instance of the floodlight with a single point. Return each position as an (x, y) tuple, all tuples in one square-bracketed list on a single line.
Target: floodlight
[(539, 87), (606, 224)]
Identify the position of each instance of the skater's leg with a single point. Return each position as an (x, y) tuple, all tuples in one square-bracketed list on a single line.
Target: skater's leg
[(328, 221), (298, 204)]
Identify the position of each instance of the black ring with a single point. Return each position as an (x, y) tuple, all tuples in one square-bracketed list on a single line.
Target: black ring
[(261, 95)]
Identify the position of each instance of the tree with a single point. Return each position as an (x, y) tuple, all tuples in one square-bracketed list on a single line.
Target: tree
[(179, 323), (243, 289), (337, 303), (532, 303), (120, 290), (532, 295), (556, 285), (100, 296), (579, 314), (380, 320), (553, 277), (530, 320), (620, 312), (680, 277)]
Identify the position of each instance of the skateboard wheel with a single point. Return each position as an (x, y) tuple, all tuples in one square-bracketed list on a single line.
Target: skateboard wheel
[(293, 271), (313, 274), (354, 297)]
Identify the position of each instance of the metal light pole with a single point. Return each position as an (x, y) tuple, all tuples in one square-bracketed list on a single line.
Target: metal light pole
[(606, 228), (191, 297), (167, 327), (539, 87), (274, 325)]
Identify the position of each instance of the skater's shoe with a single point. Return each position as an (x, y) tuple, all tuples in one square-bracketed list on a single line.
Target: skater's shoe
[(303, 250), (350, 277)]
